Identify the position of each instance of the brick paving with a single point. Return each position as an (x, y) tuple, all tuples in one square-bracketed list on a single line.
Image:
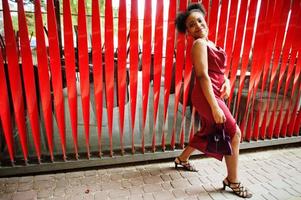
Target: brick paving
[(269, 174)]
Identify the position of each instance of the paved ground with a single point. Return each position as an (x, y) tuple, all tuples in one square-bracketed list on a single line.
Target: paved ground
[(270, 174)]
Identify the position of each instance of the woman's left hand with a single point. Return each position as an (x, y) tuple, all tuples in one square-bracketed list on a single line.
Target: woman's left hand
[(225, 89)]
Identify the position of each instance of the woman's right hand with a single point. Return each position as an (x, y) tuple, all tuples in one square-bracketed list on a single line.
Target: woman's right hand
[(218, 115)]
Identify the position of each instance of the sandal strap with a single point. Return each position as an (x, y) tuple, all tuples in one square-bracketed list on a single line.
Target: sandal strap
[(239, 189), (185, 164)]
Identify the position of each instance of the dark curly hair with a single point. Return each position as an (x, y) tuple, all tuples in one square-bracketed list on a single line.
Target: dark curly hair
[(182, 16)]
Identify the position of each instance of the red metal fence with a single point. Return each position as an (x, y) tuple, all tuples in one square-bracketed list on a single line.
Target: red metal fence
[(260, 38)]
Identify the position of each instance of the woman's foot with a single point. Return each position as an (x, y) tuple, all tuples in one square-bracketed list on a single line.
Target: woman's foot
[(237, 188), (185, 165)]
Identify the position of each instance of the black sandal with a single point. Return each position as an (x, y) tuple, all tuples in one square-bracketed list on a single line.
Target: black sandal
[(185, 164), (237, 188)]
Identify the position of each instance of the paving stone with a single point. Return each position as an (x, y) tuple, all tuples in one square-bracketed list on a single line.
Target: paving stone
[(44, 194), (204, 196), (111, 185), (194, 190), (8, 196), (136, 190), (182, 183), (22, 187), (152, 188), (148, 196), (28, 195), (117, 193), (26, 179), (11, 187), (130, 175), (165, 177), (179, 193), (101, 195), (166, 186), (136, 197), (163, 195), (152, 179), (91, 173), (281, 194)]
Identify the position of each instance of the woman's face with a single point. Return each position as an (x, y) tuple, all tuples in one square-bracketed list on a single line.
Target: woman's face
[(196, 25)]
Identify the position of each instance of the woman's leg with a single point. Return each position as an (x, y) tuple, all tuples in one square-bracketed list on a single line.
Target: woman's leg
[(186, 153), (232, 161)]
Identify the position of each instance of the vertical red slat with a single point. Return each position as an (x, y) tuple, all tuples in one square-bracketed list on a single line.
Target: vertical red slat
[(157, 64), (97, 68), (230, 32), (43, 72), (187, 79), (273, 32), (287, 55), (133, 64), (213, 19), (237, 46), (278, 48), (170, 40), (178, 74), (146, 61), (246, 52), (5, 115), (14, 77), (222, 24), (109, 67), (70, 71), (290, 126), (29, 81), (84, 70), (255, 69), (121, 66), (206, 5), (297, 124), (56, 73), (265, 64)]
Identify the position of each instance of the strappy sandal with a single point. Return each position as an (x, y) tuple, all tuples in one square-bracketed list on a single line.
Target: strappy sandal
[(185, 165), (237, 188)]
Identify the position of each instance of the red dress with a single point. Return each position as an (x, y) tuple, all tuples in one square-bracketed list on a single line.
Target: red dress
[(216, 69)]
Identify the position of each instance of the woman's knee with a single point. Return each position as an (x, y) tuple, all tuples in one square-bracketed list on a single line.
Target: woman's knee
[(237, 136)]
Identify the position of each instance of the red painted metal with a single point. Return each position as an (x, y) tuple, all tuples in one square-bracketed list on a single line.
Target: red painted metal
[(133, 65), (70, 71), (264, 62), (122, 66), (83, 62), (44, 79), (146, 61), (186, 88), (255, 70), (55, 66), (5, 115), (278, 47), (14, 78), (290, 44), (245, 56), (178, 75), (270, 48), (29, 81), (231, 32), (222, 24), (213, 19), (109, 67), (235, 57), (157, 65), (170, 40)]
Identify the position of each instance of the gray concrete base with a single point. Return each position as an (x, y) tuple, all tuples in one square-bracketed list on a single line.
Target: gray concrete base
[(125, 159)]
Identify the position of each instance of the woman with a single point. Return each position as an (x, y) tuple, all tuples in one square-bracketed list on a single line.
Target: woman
[(208, 95)]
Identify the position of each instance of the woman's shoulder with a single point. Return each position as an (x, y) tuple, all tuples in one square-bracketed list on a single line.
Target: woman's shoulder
[(200, 42)]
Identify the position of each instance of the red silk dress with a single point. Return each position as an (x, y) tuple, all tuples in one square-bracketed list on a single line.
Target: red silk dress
[(216, 69)]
